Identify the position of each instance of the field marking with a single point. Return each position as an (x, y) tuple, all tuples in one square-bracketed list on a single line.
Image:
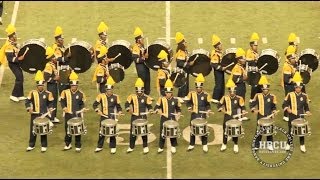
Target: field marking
[(13, 21), (169, 159)]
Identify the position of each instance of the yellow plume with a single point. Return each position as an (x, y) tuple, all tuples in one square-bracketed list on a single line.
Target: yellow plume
[(58, 31), (292, 37), (103, 51), (291, 50), (162, 55), (39, 76), (49, 52), (297, 78), (179, 37), (139, 83), (168, 84), (254, 37), (10, 29), (240, 52), (137, 32), (110, 81), (200, 78), (263, 80), (215, 39), (230, 84), (73, 76), (102, 27)]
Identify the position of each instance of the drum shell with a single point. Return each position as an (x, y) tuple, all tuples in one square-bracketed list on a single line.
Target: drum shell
[(170, 129), (199, 127), (108, 128), (201, 64), (229, 57), (123, 47), (75, 126), (140, 127), (300, 127), (309, 57), (271, 58), (234, 128), (41, 126), (267, 126), (81, 59)]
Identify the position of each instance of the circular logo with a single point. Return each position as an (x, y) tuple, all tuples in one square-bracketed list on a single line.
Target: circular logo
[(273, 152)]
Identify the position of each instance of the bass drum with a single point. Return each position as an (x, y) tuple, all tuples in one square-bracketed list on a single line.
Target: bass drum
[(121, 47), (229, 59), (81, 57), (154, 49), (310, 58), (253, 78), (201, 63), (116, 71), (35, 58), (268, 61), (178, 77)]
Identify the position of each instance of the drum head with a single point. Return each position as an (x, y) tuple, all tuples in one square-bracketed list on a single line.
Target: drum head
[(75, 121), (265, 122), (117, 74), (109, 122), (121, 46), (39, 120), (253, 78), (154, 49), (308, 57), (35, 58), (80, 60), (171, 123), (269, 62), (140, 122), (229, 58), (201, 64), (178, 79), (299, 122), (199, 121), (305, 77), (233, 123)]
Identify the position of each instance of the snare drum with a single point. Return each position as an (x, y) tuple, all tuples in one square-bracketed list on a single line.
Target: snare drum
[(178, 77), (201, 64), (116, 71), (199, 127), (300, 127), (140, 127), (266, 126), (41, 126), (109, 128), (75, 126), (170, 129), (234, 128), (268, 61)]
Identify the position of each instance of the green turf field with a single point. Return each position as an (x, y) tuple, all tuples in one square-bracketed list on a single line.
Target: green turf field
[(274, 20)]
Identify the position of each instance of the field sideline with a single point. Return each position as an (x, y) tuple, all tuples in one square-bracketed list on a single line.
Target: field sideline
[(274, 20)]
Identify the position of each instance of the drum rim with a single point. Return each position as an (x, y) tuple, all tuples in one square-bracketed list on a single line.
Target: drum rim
[(84, 44), (118, 42), (28, 42)]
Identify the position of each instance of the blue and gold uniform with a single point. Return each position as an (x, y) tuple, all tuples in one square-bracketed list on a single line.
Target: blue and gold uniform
[(239, 74), (101, 72), (102, 41), (163, 73)]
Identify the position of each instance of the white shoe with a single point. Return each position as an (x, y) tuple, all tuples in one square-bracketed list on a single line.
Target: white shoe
[(22, 98), (78, 149), (113, 150), (30, 148), (13, 98), (160, 150), (285, 118), (56, 120), (205, 148), (270, 148), (215, 101), (43, 149), (223, 147), (303, 148), (190, 148), (98, 150), (129, 150), (67, 147), (145, 150), (251, 100), (236, 148), (287, 147), (173, 150)]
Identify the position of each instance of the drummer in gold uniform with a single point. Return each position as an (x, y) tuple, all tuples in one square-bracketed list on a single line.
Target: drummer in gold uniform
[(137, 104), (296, 103), (229, 105), (72, 101), (251, 58), (197, 101), (168, 106), (109, 102), (103, 38), (266, 105), (163, 73), (37, 104), (216, 57)]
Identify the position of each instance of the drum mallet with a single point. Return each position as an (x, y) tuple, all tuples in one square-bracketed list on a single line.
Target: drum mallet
[(229, 65), (25, 52), (206, 112), (265, 64), (119, 54), (238, 115), (175, 78)]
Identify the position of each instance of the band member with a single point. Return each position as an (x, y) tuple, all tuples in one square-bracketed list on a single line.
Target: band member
[(266, 106), (216, 57), (288, 70), (11, 52), (137, 104), (63, 61), (72, 101), (109, 102), (103, 38), (163, 73), (252, 57), (239, 74), (181, 57), (168, 106), (52, 77), (101, 73), (230, 105), (296, 103), (198, 101), (37, 103), (139, 55)]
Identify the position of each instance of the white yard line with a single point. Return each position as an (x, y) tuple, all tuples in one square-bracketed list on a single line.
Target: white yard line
[(13, 21), (168, 39)]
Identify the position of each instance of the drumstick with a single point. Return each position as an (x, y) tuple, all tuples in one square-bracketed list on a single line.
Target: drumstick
[(175, 78), (44, 115), (273, 114), (117, 56), (25, 52), (234, 116), (177, 114), (194, 59), (156, 66), (147, 45), (299, 66), (263, 66), (229, 65), (206, 112)]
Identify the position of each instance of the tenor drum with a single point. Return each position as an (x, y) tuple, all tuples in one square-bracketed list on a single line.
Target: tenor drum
[(75, 126), (41, 126), (178, 77), (199, 127), (109, 128), (266, 126), (140, 127), (201, 63), (35, 58), (300, 127), (123, 47), (268, 61), (229, 58), (81, 59), (170, 129), (153, 50), (234, 128), (116, 71)]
